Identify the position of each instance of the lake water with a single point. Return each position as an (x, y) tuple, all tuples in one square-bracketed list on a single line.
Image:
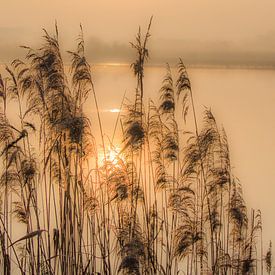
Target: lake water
[(243, 102)]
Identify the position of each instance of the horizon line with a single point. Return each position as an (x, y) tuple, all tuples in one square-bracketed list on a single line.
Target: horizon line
[(190, 65)]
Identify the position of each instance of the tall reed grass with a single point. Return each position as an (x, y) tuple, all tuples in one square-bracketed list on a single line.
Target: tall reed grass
[(167, 203)]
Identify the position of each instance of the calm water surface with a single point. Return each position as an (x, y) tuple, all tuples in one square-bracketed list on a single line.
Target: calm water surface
[(243, 102)]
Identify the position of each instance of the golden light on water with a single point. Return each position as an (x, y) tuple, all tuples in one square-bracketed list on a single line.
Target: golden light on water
[(114, 110)]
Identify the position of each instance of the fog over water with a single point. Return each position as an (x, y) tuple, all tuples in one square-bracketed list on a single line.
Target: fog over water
[(232, 33)]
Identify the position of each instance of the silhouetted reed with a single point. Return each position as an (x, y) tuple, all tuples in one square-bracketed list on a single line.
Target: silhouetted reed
[(166, 203)]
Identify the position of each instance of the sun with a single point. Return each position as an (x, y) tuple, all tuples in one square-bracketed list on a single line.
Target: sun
[(112, 155)]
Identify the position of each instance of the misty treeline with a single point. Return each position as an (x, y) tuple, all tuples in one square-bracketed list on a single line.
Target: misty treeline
[(168, 202)]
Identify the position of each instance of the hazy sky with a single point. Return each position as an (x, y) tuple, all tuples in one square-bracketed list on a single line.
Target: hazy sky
[(200, 31)]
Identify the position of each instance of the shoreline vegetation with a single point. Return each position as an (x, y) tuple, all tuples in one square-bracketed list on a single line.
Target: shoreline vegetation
[(162, 201), (195, 66), (190, 66)]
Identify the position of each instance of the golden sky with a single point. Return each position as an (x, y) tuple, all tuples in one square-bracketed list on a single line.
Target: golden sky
[(215, 31)]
